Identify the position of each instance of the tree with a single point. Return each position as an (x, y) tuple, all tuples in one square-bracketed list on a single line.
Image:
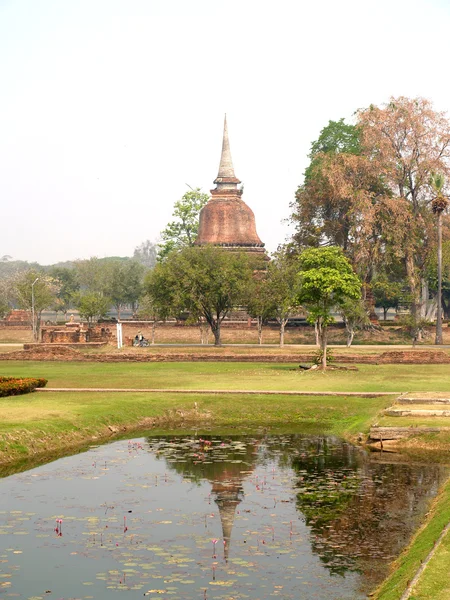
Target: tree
[(148, 309), (146, 254), (343, 201), (355, 316), (68, 286), (282, 286), (123, 283), (407, 142), (35, 291), (439, 205), (183, 230), (327, 281), (92, 305), (207, 282), (387, 294), (260, 304)]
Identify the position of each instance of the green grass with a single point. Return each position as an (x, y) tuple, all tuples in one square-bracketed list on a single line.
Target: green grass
[(233, 376), (42, 422), (434, 582)]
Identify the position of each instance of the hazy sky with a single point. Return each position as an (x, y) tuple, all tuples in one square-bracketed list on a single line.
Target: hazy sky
[(108, 108)]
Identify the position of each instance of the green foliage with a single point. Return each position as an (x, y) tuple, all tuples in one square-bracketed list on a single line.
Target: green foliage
[(338, 136), (68, 286), (319, 355), (92, 305), (183, 230), (414, 326), (387, 294), (207, 282), (327, 282)]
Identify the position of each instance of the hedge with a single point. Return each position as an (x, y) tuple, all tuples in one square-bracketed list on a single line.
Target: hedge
[(11, 386)]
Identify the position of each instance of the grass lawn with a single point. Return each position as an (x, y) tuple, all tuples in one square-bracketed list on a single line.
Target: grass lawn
[(233, 376)]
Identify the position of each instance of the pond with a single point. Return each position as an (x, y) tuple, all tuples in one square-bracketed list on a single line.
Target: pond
[(210, 518)]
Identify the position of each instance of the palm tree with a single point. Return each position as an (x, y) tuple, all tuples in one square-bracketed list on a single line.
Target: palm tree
[(439, 204)]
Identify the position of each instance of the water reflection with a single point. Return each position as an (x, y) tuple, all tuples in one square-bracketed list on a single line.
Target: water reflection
[(213, 518), (361, 512)]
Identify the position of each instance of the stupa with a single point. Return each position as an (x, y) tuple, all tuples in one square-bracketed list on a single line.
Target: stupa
[(226, 220)]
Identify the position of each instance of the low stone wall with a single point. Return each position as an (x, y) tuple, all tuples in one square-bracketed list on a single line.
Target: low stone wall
[(67, 353)]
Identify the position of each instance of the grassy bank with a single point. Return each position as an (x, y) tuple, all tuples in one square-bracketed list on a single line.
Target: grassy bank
[(48, 422), (434, 582), (233, 376)]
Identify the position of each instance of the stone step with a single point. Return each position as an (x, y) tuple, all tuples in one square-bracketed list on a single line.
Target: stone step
[(424, 399), (398, 433), (417, 412)]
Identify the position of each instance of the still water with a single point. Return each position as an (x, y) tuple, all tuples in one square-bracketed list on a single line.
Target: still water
[(216, 518)]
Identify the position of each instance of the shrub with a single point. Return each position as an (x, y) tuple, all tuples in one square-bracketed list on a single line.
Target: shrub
[(12, 386)]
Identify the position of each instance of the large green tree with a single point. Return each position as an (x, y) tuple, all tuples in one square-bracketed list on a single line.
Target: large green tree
[(182, 231), (207, 282), (327, 283)]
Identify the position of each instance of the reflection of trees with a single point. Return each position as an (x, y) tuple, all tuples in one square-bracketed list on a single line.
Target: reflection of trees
[(359, 510)]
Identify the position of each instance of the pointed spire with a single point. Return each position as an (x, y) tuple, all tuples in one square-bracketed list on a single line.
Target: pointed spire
[(226, 170)]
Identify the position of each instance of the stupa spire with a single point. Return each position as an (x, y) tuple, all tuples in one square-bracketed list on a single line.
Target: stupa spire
[(226, 170)]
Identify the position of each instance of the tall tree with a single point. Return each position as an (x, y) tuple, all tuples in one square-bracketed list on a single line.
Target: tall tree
[(207, 282), (407, 141), (327, 282), (182, 231)]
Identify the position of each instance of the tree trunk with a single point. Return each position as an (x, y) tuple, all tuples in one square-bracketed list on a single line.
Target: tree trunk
[(282, 325), (350, 335), (215, 327), (153, 331), (412, 280), (385, 310), (260, 326), (438, 339), (316, 333), (323, 345)]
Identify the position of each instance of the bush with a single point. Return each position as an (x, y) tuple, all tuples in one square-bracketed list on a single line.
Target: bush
[(11, 386)]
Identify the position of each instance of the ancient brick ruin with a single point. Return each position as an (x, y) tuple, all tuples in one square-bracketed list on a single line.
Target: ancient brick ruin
[(226, 220)]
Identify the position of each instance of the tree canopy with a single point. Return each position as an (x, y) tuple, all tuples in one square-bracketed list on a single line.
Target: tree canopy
[(182, 231), (206, 282)]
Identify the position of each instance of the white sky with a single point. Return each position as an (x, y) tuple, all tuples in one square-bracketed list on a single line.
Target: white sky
[(108, 108)]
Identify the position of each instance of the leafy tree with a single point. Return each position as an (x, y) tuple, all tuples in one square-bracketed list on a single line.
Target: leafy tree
[(146, 254), (207, 282), (35, 290), (92, 305), (387, 294), (282, 286), (407, 142), (123, 283), (92, 274), (260, 304), (183, 230), (343, 201), (327, 282), (68, 286)]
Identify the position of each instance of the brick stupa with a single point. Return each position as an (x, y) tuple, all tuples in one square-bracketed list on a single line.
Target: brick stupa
[(226, 220)]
